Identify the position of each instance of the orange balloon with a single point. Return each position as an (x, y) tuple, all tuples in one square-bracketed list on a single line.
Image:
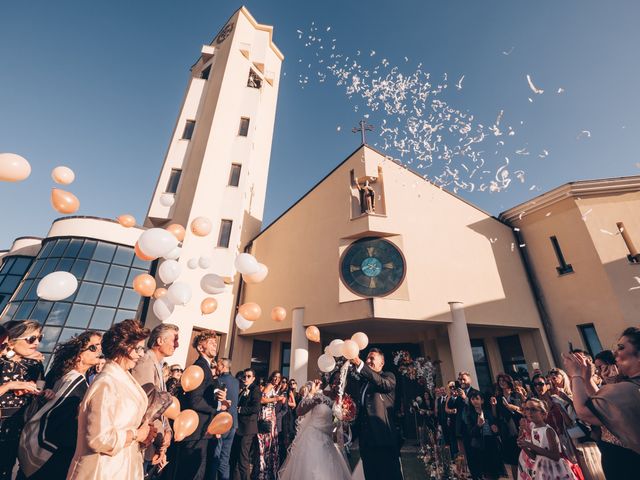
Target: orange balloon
[(159, 293), (208, 305), (220, 424), (191, 378), (127, 221), (141, 255), (174, 409), (278, 314), (312, 333), (63, 201), (250, 311), (185, 424), (177, 231), (144, 284)]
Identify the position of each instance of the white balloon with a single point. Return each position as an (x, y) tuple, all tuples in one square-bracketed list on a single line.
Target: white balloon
[(57, 286), (167, 199), (259, 276), (205, 262), (63, 175), (242, 322), (192, 263), (169, 271), (361, 339), (13, 168), (335, 347), (174, 254), (212, 283), (157, 242), (163, 308), (179, 293), (326, 363), (246, 264)]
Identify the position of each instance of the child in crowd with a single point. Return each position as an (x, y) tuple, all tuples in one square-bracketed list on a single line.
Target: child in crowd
[(544, 447)]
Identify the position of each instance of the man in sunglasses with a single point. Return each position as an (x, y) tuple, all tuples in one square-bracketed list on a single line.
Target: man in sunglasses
[(247, 432), (162, 343)]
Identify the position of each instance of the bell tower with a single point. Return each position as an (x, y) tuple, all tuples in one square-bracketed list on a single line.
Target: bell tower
[(217, 163)]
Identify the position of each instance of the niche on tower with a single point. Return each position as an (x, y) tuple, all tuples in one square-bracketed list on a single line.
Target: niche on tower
[(367, 194)]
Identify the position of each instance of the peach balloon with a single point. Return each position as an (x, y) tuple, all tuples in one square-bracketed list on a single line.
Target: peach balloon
[(208, 305), (63, 201), (278, 314), (63, 175), (174, 409), (144, 284), (159, 293), (191, 378), (185, 424), (350, 349), (141, 255), (127, 221), (177, 231), (13, 168), (220, 424), (361, 339), (250, 311), (201, 226), (313, 334)]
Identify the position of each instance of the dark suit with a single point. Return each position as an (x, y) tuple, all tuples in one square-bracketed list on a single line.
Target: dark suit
[(378, 436), (196, 452), (223, 449), (247, 432), (461, 405)]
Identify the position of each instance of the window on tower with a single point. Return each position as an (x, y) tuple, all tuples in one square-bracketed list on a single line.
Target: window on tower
[(254, 79), (188, 130), (174, 180), (225, 233), (563, 266), (205, 73), (234, 175), (243, 131)]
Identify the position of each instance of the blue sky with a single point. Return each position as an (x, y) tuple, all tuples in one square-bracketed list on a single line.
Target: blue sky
[(97, 85)]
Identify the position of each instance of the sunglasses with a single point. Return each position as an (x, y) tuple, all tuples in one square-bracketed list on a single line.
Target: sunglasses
[(248, 376), (32, 339), (139, 350), (3, 345), (176, 370), (539, 384), (93, 348), (529, 409)]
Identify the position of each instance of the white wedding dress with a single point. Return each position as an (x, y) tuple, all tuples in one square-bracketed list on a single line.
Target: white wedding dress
[(313, 455)]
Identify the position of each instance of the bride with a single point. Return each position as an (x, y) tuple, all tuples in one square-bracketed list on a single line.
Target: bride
[(313, 454)]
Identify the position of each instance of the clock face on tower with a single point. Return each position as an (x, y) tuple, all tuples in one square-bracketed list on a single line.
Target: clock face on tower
[(224, 33), (372, 267)]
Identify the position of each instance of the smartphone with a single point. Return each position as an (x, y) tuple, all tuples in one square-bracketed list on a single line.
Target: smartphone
[(570, 347), (457, 384)]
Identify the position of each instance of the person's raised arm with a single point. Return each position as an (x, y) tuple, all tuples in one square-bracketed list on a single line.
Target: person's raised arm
[(577, 368)]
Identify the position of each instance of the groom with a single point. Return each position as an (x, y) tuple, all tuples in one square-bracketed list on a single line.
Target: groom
[(378, 437)]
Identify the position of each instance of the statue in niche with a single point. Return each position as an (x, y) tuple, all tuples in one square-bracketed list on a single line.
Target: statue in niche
[(367, 196)]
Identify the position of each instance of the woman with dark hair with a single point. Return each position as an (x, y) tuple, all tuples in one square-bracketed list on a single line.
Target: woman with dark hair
[(507, 408), (110, 416), (615, 406), (268, 461), (48, 439), (19, 374), (606, 368)]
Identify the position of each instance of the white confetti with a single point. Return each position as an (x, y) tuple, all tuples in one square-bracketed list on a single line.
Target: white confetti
[(560, 91), (509, 52), (459, 84), (534, 89), (584, 215), (584, 134)]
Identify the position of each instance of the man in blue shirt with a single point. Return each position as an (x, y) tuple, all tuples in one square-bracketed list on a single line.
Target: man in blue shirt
[(223, 448)]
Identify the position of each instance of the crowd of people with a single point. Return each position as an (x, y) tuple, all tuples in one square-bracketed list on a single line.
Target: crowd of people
[(550, 426), (97, 413)]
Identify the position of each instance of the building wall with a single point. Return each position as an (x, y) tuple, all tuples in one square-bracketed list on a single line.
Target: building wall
[(600, 290)]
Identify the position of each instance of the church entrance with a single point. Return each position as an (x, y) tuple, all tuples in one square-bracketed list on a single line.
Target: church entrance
[(407, 389)]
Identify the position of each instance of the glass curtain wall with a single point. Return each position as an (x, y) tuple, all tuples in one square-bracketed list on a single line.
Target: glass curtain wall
[(11, 273), (105, 273)]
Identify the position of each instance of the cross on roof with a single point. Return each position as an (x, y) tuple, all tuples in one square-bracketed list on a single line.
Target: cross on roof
[(363, 127)]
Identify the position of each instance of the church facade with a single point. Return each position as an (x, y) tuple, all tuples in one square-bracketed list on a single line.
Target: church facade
[(419, 270)]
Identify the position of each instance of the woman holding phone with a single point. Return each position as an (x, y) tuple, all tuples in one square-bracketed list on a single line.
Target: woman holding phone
[(20, 379)]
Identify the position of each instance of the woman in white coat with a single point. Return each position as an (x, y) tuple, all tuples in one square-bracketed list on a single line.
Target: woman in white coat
[(109, 421)]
